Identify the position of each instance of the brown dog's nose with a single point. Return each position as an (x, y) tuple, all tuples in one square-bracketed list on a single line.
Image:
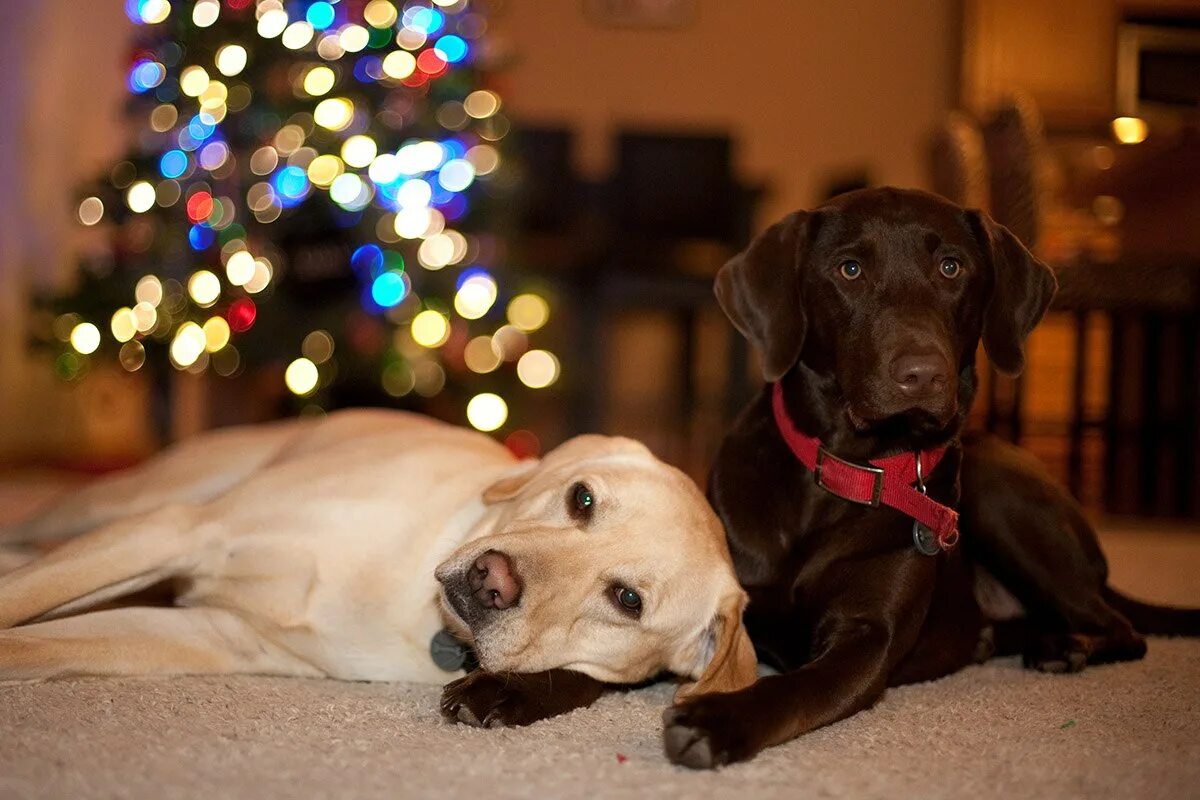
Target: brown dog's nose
[(493, 581), (919, 374)]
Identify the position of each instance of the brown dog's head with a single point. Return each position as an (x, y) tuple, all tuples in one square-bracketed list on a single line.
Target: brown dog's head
[(606, 561), (884, 294)]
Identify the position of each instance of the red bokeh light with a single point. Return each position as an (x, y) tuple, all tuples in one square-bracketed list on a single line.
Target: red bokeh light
[(523, 444), (431, 63), (241, 314), (199, 206)]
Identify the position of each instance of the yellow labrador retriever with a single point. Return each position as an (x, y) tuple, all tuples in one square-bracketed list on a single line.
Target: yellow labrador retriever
[(342, 547)]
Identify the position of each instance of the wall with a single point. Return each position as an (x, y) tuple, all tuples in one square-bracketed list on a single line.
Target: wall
[(808, 87)]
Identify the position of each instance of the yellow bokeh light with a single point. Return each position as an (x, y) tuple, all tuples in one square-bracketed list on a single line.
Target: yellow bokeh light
[(204, 287), (85, 338), (354, 38), (216, 334), (193, 81), (537, 369), (188, 344), (317, 347), (481, 104), (359, 151), (146, 317), (262, 276), (231, 59), (380, 13), (124, 324), (484, 158), (528, 312), (475, 297), (153, 12), (164, 117), (399, 64), (149, 290), (412, 223), (479, 355), (324, 170), (436, 252), (1130, 130), (430, 329), (140, 197), (272, 23), (297, 35), (205, 13), (301, 377), (319, 80), (335, 113), (239, 269), (487, 411), (91, 210)]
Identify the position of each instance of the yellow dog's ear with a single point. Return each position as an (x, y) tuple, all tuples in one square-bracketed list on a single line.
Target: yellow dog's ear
[(575, 450), (732, 664)]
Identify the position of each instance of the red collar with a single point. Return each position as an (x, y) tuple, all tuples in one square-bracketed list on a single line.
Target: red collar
[(888, 480)]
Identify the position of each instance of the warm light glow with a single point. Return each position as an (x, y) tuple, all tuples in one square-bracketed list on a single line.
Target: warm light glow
[(537, 369), (317, 347), (479, 355), (481, 104), (85, 338), (1130, 130), (475, 296), (301, 377), (140, 197), (216, 334), (149, 290), (146, 317), (411, 223), (272, 23), (359, 151), (205, 13), (334, 113), (124, 324), (204, 287), (430, 329), (297, 35), (91, 210), (380, 14), (436, 252), (399, 64), (324, 170), (239, 269), (231, 59), (262, 276), (528, 312), (354, 38), (487, 411), (193, 81), (319, 80), (188, 344)]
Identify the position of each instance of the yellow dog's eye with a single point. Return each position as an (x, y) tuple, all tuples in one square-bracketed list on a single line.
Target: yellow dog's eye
[(581, 501), (950, 268), (851, 270), (628, 599)]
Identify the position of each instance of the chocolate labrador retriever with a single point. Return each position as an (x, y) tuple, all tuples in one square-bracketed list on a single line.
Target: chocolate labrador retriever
[(838, 486)]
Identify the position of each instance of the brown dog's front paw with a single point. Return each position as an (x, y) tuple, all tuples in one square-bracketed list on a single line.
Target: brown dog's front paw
[(486, 700), (705, 734), (1057, 652)]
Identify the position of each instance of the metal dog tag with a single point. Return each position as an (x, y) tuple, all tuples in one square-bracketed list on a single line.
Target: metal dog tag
[(924, 540), (447, 652)]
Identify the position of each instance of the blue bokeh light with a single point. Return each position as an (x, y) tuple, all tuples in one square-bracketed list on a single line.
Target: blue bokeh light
[(201, 237), (367, 260), (451, 48), (320, 15), (173, 163), (424, 20), (389, 289)]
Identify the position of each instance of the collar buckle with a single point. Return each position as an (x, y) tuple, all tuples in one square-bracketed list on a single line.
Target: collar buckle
[(824, 455)]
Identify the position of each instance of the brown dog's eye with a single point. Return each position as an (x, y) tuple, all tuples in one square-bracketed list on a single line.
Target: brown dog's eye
[(851, 270), (628, 599), (581, 501), (950, 268)]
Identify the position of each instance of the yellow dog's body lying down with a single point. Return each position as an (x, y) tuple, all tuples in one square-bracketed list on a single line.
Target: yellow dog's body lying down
[(316, 548)]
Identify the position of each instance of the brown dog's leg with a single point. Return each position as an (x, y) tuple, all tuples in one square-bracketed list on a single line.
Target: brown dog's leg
[(143, 641), (505, 699), (850, 674)]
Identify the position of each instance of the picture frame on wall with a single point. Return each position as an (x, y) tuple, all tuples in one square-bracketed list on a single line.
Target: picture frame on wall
[(642, 14)]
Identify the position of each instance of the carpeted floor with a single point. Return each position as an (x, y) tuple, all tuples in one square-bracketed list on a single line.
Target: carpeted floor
[(1128, 730)]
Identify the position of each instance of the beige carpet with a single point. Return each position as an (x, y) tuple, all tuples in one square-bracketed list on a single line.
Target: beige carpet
[(1128, 730)]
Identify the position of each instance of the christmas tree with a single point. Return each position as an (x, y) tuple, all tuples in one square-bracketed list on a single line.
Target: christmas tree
[(308, 186)]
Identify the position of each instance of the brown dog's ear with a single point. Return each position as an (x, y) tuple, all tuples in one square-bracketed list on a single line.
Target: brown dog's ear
[(1022, 290), (759, 290), (732, 664)]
